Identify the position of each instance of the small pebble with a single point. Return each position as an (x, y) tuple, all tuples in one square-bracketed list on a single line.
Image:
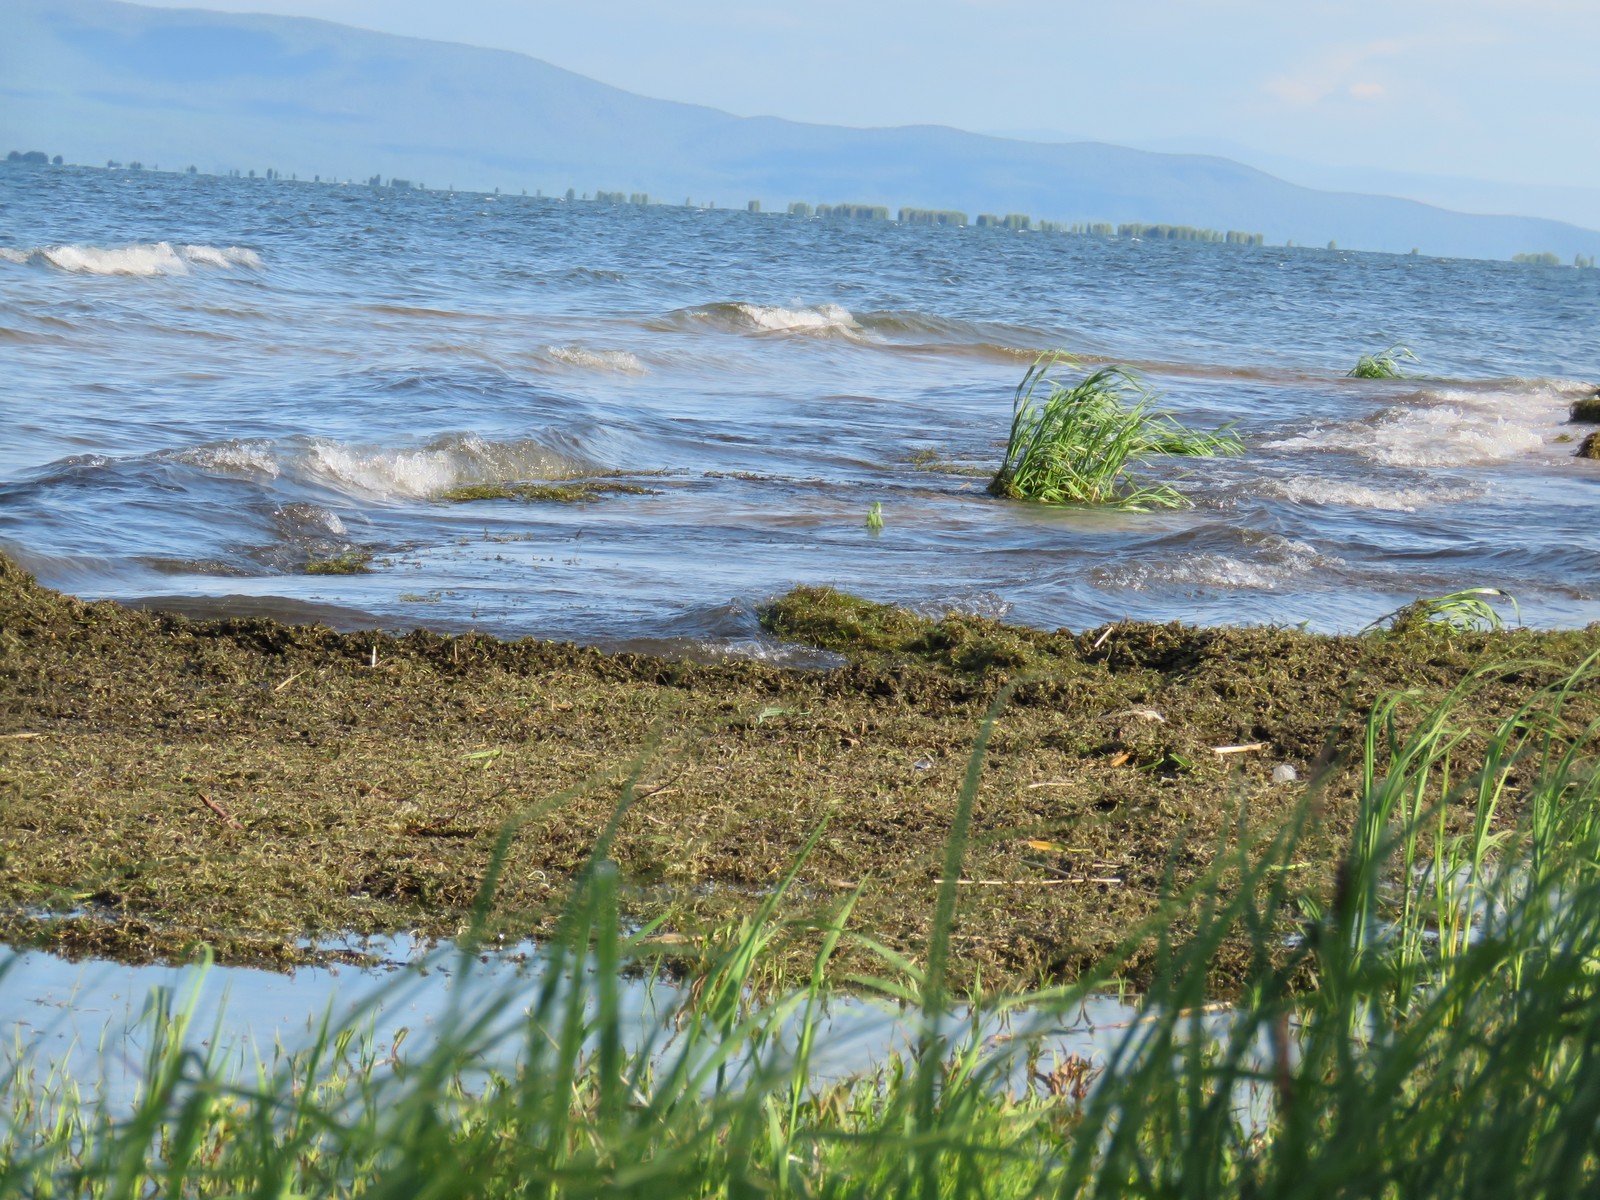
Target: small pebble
[(1284, 773)]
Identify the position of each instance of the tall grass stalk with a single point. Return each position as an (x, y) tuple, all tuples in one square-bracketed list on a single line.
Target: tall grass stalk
[(1075, 444), (1428, 1026)]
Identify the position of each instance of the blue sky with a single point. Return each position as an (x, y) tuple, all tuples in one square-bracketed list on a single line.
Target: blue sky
[(1361, 93)]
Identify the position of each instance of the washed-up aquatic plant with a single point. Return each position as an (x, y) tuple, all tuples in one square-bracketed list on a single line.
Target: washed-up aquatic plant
[(1074, 444), (1383, 365), (1463, 611)]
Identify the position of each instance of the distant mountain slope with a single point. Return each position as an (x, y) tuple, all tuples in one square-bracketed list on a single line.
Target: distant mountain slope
[(97, 80)]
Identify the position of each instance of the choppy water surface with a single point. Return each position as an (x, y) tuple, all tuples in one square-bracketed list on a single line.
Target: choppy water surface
[(210, 382)]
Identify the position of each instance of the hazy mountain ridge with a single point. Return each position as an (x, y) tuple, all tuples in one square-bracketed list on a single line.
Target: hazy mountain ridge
[(97, 80)]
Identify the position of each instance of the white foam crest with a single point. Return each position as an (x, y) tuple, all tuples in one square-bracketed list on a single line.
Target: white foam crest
[(143, 259), (1281, 561), (428, 470), (7, 254), (1443, 436), (226, 256), (597, 360), (824, 319), (1342, 493), (232, 458)]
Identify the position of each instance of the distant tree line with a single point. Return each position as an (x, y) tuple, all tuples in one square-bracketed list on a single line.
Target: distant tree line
[(36, 158), (854, 212), (928, 216), (1547, 259), (1188, 233)]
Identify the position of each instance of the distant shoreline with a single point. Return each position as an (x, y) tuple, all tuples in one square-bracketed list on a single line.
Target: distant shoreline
[(805, 210)]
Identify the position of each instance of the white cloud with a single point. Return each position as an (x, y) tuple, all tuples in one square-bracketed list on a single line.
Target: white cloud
[(1336, 71)]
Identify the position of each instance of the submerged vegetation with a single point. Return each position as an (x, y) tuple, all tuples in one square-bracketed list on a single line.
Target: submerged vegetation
[(1075, 444), (1383, 365), (1420, 1022), (572, 491), (347, 562)]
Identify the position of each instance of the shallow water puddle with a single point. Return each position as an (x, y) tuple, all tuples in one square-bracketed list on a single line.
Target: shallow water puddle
[(91, 1019)]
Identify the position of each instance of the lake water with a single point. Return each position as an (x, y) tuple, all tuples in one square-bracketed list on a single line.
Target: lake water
[(211, 382)]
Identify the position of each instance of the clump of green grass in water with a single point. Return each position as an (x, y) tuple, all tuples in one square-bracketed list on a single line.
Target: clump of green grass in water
[(875, 517), (347, 562), (1075, 444), (1422, 1027), (1383, 365)]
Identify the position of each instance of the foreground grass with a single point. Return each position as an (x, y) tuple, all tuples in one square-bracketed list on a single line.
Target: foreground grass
[(1427, 1029)]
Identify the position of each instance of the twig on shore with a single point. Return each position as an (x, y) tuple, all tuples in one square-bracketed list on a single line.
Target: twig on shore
[(1244, 749), (1036, 882), (226, 816)]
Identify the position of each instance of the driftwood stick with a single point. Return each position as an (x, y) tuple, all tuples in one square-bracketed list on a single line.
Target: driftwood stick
[(227, 816)]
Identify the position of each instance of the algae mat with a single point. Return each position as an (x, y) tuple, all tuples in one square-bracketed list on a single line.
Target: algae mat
[(249, 784)]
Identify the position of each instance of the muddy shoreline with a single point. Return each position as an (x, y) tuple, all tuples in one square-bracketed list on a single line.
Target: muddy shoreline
[(249, 784)]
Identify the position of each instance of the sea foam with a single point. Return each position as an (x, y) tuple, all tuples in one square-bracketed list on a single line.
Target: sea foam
[(597, 360), (1346, 494), (1278, 560), (440, 465), (1449, 428), (823, 320), (140, 259)]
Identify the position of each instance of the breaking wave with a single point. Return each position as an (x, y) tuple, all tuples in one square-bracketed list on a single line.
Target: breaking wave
[(444, 463), (891, 329), (142, 259), (597, 360), (824, 320), (1453, 427), (375, 472), (1343, 493), (1278, 560)]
